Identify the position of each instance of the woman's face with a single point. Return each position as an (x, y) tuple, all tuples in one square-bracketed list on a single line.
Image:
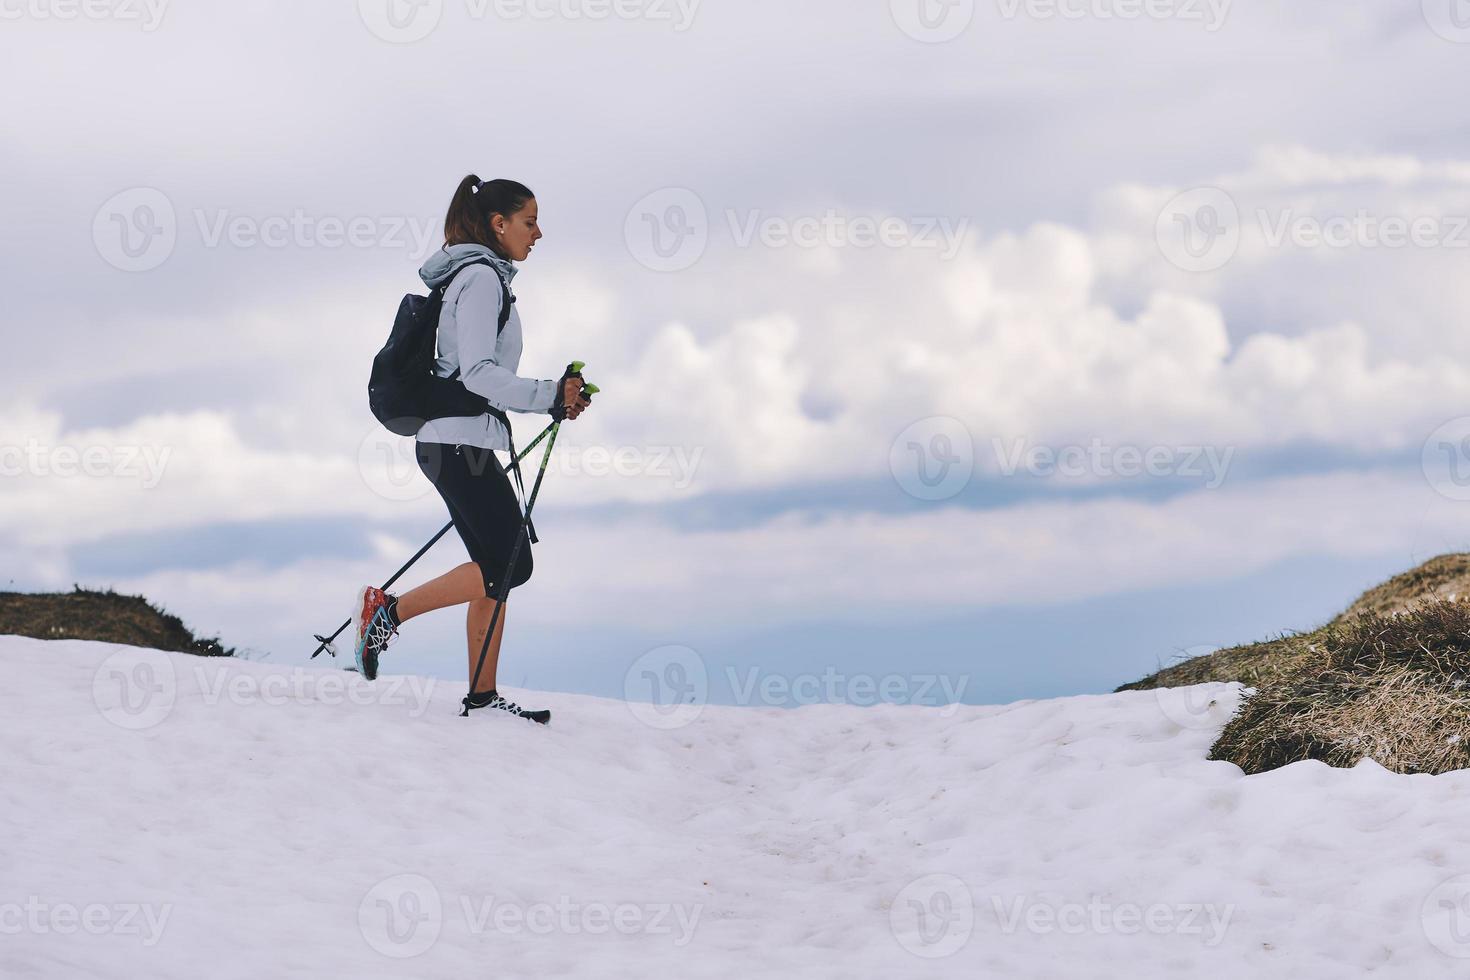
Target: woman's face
[(517, 232)]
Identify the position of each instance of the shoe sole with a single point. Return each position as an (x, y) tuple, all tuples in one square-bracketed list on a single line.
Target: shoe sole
[(545, 720)]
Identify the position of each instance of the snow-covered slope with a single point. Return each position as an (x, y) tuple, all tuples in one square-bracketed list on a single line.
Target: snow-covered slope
[(169, 816)]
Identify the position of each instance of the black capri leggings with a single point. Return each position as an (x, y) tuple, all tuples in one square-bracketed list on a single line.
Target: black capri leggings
[(483, 506)]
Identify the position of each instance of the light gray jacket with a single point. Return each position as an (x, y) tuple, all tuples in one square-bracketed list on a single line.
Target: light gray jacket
[(467, 341)]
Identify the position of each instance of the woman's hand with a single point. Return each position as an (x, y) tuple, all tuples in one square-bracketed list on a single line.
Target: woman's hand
[(572, 397), (570, 401)]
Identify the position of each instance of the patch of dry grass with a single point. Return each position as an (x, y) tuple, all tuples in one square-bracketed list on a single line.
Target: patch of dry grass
[(1387, 687), (83, 614), (1258, 664), (1253, 664)]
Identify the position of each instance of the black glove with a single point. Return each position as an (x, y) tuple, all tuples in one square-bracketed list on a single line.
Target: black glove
[(559, 409)]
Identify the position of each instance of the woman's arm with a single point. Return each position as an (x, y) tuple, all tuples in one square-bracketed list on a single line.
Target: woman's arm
[(476, 314)]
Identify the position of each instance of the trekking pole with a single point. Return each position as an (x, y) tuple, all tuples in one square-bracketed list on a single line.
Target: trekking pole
[(325, 642), (515, 551)]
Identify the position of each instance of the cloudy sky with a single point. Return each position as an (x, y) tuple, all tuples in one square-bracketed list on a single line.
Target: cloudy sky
[(1028, 344)]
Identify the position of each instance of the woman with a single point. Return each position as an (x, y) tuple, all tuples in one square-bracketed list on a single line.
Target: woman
[(490, 224)]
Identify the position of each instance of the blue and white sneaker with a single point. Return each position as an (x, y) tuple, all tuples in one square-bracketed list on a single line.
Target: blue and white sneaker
[(374, 629)]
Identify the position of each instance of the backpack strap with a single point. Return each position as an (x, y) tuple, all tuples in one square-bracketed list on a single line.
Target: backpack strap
[(506, 299)]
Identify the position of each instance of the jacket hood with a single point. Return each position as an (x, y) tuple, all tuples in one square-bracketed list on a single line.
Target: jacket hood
[(443, 264)]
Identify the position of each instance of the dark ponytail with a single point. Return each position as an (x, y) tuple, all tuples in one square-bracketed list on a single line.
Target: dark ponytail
[(468, 220)]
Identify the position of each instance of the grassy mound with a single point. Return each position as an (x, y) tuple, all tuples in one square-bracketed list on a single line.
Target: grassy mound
[(1253, 664), (86, 615), (1387, 687), (1269, 661), (1447, 577)]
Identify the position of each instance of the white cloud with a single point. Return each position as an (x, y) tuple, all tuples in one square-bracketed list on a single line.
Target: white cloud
[(802, 377), (641, 575)]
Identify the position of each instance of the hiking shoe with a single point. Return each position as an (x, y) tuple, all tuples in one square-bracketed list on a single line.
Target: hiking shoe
[(374, 629), (493, 701)]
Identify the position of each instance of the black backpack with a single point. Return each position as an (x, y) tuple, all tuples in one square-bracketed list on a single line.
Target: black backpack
[(403, 391)]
